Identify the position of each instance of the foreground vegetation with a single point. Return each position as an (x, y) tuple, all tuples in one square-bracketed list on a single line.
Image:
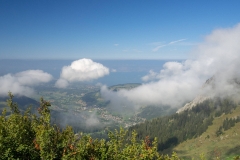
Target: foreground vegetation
[(30, 136)]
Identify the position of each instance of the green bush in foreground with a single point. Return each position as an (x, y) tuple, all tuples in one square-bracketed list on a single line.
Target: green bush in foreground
[(27, 136)]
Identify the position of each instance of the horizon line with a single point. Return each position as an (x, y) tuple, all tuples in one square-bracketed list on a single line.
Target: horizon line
[(111, 59)]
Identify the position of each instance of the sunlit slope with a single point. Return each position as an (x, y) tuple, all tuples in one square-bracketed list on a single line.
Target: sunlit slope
[(187, 131), (226, 144)]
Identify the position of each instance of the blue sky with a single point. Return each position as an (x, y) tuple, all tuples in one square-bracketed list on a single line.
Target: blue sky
[(109, 29)]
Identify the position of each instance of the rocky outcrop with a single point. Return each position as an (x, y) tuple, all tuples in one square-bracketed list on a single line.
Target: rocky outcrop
[(200, 98), (190, 105)]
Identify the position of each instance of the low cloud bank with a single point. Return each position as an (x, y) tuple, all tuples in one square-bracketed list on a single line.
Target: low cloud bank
[(179, 82), (21, 83), (81, 70), (92, 120)]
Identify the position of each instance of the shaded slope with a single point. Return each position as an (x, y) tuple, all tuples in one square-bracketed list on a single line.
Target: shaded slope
[(22, 101)]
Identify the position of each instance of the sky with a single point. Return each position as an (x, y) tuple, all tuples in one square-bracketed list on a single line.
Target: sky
[(110, 29)]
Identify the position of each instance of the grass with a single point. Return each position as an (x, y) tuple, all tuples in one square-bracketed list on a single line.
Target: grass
[(224, 146)]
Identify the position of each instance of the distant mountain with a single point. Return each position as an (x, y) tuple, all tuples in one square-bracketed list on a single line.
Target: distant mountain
[(23, 102), (127, 86)]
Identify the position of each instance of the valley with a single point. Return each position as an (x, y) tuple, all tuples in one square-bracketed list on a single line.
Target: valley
[(82, 107), (189, 133)]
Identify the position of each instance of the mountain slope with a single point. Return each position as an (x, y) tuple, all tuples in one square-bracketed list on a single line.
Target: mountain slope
[(210, 83), (189, 124), (23, 103), (211, 144), (190, 105)]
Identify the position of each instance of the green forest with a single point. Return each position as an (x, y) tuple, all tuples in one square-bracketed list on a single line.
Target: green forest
[(33, 136), (172, 130)]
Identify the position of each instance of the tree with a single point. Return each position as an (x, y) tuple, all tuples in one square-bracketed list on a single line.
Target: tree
[(27, 136)]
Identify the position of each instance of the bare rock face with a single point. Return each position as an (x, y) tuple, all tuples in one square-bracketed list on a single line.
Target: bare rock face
[(190, 105), (199, 98), (219, 85)]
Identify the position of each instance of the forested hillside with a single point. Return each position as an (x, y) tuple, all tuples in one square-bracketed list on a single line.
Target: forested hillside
[(172, 130)]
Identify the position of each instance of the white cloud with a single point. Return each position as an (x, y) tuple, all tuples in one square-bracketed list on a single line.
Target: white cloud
[(21, 83), (151, 76), (92, 120), (81, 70), (180, 40), (172, 88), (61, 83), (177, 83), (116, 45), (160, 45), (113, 70)]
